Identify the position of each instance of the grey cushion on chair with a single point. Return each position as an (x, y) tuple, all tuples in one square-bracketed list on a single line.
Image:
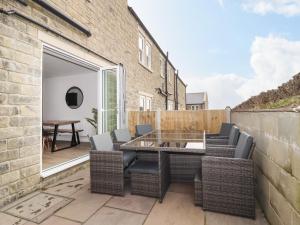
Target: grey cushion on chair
[(243, 147), (234, 136), (122, 135), (143, 129), (148, 167), (128, 158), (102, 142), (225, 129)]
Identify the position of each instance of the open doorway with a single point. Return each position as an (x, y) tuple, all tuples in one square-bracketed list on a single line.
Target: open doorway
[(80, 99), (70, 98)]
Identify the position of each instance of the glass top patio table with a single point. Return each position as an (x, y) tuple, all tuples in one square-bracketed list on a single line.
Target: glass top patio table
[(169, 141)]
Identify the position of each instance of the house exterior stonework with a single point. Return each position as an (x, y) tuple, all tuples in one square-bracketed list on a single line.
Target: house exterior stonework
[(114, 40)]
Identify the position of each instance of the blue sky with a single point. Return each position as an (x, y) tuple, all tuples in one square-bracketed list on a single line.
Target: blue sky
[(231, 49)]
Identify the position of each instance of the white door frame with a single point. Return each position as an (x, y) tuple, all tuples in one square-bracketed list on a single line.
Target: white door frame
[(68, 164), (120, 97)]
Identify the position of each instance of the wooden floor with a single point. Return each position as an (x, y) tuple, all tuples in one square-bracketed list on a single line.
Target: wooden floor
[(52, 159)]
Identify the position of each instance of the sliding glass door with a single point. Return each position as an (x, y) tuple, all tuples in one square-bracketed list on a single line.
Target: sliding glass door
[(113, 95)]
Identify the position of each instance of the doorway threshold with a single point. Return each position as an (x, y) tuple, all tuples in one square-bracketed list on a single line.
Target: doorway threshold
[(64, 166)]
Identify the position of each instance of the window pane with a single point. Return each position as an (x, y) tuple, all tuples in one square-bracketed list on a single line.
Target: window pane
[(141, 43), (110, 111)]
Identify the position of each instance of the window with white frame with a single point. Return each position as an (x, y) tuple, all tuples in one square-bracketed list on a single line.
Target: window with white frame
[(145, 52), (169, 74), (162, 67), (170, 105), (145, 103), (141, 48), (195, 107), (148, 55)]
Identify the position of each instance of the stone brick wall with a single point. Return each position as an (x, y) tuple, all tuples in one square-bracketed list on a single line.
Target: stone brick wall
[(114, 37), (277, 161), (181, 95), (20, 77)]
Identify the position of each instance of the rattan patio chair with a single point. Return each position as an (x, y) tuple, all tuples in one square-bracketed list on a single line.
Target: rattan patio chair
[(228, 179), (142, 129), (107, 165), (231, 141), (224, 132), (150, 178)]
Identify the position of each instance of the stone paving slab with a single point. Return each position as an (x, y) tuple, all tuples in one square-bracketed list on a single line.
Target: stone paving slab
[(176, 209), (132, 203), (110, 216), (187, 188), (215, 219), (6, 219), (70, 185), (38, 207), (95, 209), (84, 205), (55, 220)]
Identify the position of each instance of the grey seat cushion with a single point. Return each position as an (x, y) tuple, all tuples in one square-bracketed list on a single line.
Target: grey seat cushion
[(128, 158), (143, 129), (225, 129), (234, 136), (122, 135), (243, 147), (198, 176), (148, 167), (102, 142)]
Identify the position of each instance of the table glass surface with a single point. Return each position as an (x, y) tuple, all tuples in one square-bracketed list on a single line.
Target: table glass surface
[(181, 141)]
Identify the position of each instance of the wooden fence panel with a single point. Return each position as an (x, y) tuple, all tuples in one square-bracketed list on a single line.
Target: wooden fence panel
[(209, 120), (136, 117)]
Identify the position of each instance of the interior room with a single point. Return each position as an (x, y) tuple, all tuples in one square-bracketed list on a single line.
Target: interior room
[(70, 102)]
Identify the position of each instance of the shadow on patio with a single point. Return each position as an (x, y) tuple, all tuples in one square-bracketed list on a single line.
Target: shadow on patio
[(70, 202)]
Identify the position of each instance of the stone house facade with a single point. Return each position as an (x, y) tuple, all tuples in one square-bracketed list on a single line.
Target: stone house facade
[(105, 33), (196, 101)]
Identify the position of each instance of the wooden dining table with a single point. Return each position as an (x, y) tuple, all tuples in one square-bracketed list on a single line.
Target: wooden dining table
[(56, 124)]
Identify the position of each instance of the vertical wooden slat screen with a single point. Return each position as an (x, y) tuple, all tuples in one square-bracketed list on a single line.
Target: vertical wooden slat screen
[(209, 120)]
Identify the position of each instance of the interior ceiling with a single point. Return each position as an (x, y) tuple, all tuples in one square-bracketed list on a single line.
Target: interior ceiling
[(55, 67)]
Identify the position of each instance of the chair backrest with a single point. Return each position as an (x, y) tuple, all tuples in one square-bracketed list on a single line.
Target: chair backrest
[(225, 129), (122, 135), (102, 142), (234, 136), (244, 146), (143, 129)]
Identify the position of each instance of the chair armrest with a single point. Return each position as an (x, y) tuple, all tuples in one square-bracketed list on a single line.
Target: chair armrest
[(228, 170), (117, 145), (217, 141), (220, 151), (211, 135), (216, 135)]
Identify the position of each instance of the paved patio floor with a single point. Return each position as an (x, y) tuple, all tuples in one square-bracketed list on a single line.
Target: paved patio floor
[(69, 202)]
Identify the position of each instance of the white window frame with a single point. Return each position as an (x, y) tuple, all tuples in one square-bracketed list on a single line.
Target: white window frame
[(148, 55), (148, 103), (145, 102), (142, 103), (169, 74), (170, 105)]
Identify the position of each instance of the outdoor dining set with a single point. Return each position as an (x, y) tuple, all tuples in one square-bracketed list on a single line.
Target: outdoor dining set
[(219, 165)]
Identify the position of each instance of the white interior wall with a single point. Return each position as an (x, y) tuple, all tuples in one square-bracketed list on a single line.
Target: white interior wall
[(54, 104)]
